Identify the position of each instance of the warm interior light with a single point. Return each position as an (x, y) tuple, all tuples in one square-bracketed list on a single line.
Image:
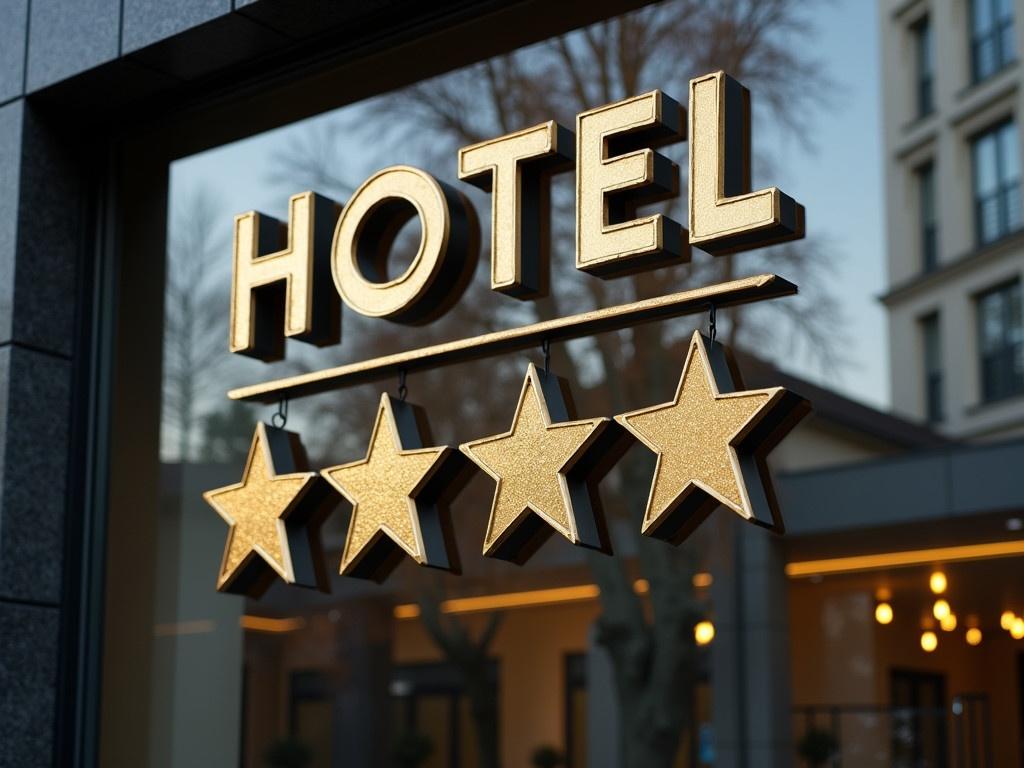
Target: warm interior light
[(940, 610), (883, 613), (1017, 630), (974, 636), (937, 582), (702, 580), (948, 622), (704, 632), (905, 558), (1006, 619), (270, 624), (929, 642), (511, 600)]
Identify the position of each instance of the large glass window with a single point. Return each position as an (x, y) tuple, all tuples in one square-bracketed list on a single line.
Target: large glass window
[(997, 202), (638, 659), (992, 43), (929, 231), (1001, 342), (925, 67), (932, 343)]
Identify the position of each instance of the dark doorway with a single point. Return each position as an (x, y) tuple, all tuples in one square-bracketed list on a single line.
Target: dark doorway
[(919, 737)]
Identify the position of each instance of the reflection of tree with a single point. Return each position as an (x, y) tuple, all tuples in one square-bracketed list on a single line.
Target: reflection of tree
[(227, 434), (756, 41), (195, 297)]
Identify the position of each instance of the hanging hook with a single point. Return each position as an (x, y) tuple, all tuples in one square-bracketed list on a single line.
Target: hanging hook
[(402, 389), (281, 415), (545, 347), (712, 325)]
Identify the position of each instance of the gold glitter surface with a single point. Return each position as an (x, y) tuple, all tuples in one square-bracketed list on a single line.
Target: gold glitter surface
[(526, 462), (693, 437), (254, 509), (382, 488)]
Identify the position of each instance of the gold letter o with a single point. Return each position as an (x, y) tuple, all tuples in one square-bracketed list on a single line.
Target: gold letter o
[(441, 268)]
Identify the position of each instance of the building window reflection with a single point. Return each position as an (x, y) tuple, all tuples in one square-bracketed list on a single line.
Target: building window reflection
[(992, 43), (932, 367), (1001, 342), (925, 72), (927, 213), (997, 201)]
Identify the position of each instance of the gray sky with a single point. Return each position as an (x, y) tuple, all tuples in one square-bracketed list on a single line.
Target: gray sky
[(840, 184)]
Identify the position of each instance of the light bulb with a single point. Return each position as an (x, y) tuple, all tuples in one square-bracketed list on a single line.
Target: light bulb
[(938, 582), (941, 609), (1006, 619), (702, 580), (1017, 630), (974, 636), (883, 613), (704, 632), (948, 622), (929, 642)]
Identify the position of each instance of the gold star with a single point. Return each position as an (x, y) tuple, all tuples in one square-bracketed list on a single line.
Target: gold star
[(711, 442), (547, 469), (274, 516), (399, 496)]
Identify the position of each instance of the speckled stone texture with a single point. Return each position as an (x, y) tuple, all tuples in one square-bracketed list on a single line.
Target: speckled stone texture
[(10, 167), (35, 409), (70, 36), (40, 268), (13, 19), (28, 684), (148, 21)]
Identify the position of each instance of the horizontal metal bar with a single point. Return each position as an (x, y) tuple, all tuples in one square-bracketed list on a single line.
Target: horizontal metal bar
[(744, 291)]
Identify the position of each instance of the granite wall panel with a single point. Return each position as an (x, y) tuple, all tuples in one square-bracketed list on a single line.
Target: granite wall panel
[(13, 32), (70, 36), (35, 409)]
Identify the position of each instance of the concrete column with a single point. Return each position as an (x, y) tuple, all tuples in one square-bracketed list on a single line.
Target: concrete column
[(750, 655)]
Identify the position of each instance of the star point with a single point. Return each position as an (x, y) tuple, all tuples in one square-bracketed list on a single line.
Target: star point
[(398, 494), (546, 469), (711, 441), (274, 516)]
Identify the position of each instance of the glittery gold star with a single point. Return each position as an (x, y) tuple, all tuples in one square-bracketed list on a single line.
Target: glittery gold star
[(547, 469), (274, 516), (399, 495), (711, 442)]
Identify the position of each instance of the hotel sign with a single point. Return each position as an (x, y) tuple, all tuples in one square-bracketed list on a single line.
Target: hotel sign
[(710, 440)]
